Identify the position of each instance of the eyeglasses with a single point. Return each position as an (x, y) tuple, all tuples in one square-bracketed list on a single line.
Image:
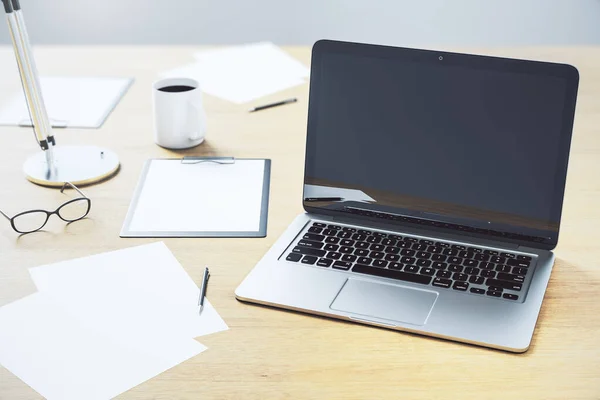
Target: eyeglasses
[(34, 220)]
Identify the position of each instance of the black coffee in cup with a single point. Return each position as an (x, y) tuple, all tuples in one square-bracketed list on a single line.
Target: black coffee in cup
[(176, 88)]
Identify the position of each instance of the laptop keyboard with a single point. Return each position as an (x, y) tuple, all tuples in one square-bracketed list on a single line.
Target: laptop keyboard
[(437, 263)]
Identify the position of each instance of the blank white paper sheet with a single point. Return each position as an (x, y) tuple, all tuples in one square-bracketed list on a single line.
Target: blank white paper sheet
[(71, 102), (203, 199), (244, 73), (62, 358), (141, 293)]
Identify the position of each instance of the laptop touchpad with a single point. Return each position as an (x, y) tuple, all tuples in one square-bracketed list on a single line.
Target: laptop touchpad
[(385, 301)]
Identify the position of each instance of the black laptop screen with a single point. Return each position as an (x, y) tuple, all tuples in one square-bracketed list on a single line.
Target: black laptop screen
[(461, 142)]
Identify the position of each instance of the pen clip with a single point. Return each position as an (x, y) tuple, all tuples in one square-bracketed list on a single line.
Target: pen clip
[(217, 160)]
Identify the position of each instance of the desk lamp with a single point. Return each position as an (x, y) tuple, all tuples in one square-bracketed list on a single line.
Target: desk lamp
[(54, 165)]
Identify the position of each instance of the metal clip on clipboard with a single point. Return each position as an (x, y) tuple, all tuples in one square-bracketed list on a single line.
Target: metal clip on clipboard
[(217, 160)]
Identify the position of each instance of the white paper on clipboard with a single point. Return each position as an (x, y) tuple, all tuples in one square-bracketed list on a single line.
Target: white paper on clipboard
[(200, 199)]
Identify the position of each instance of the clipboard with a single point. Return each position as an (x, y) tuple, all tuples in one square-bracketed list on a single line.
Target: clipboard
[(200, 197)]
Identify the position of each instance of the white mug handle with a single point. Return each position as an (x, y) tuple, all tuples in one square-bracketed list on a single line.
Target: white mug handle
[(197, 106)]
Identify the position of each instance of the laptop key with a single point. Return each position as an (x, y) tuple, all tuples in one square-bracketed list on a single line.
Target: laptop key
[(395, 265), (373, 239), (474, 250), (310, 243), (359, 237), (364, 232), (411, 239), (412, 269), (460, 276), (331, 239), (454, 260), (324, 262), (427, 271), (392, 250), (491, 252), (510, 277), (408, 260), (517, 263), (442, 244), (481, 257), (329, 232), (487, 274), (309, 260), (314, 229), (347, 228), (392, 257), (508, 255), (348, 258), (503, 268), (377, 247), (458, 247), (455, 268), (380, 263), (498, 260), (438, 257), (364, 260), (487, 265), (347, 242), (362, 245), (426, 241), (477, 280), (493, 293), (346, 249), (377, 254), (331, 247), (380, 234), (510, 296), (439, 265), (392, 273), (465, 254), (470, 263), (523, 258), (295, 257), (404, 245), (344, 234), (336, 227), (471, 271), (442, 282), (477, 290), (423, 254), (313, 236), (408, 253), (423, 263), (419, 246), (435, 249), (309, 251), (334, 256), (443, 274), (361, 252), (394, 237), (504, 284), (462, 286), (319, 225), (388, 242), (342, 265), (495, 288), (519, 271)]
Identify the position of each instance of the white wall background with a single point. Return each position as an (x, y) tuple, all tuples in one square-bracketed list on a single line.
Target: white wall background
[(397, 22)]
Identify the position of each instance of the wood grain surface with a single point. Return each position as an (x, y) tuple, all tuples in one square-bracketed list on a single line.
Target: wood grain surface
[(272, 354)]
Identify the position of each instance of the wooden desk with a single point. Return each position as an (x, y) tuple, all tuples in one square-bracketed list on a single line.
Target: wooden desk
[(271, 354)]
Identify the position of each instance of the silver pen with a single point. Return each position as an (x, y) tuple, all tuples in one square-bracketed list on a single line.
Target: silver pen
[(203, 289)]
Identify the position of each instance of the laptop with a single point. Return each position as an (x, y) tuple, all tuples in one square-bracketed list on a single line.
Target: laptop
[(433, 192)]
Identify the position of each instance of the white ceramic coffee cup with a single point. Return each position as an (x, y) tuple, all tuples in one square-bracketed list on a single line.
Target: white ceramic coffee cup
[(179, 118)]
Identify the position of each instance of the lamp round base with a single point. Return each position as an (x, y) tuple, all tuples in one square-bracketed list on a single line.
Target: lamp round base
[(80, 165)]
